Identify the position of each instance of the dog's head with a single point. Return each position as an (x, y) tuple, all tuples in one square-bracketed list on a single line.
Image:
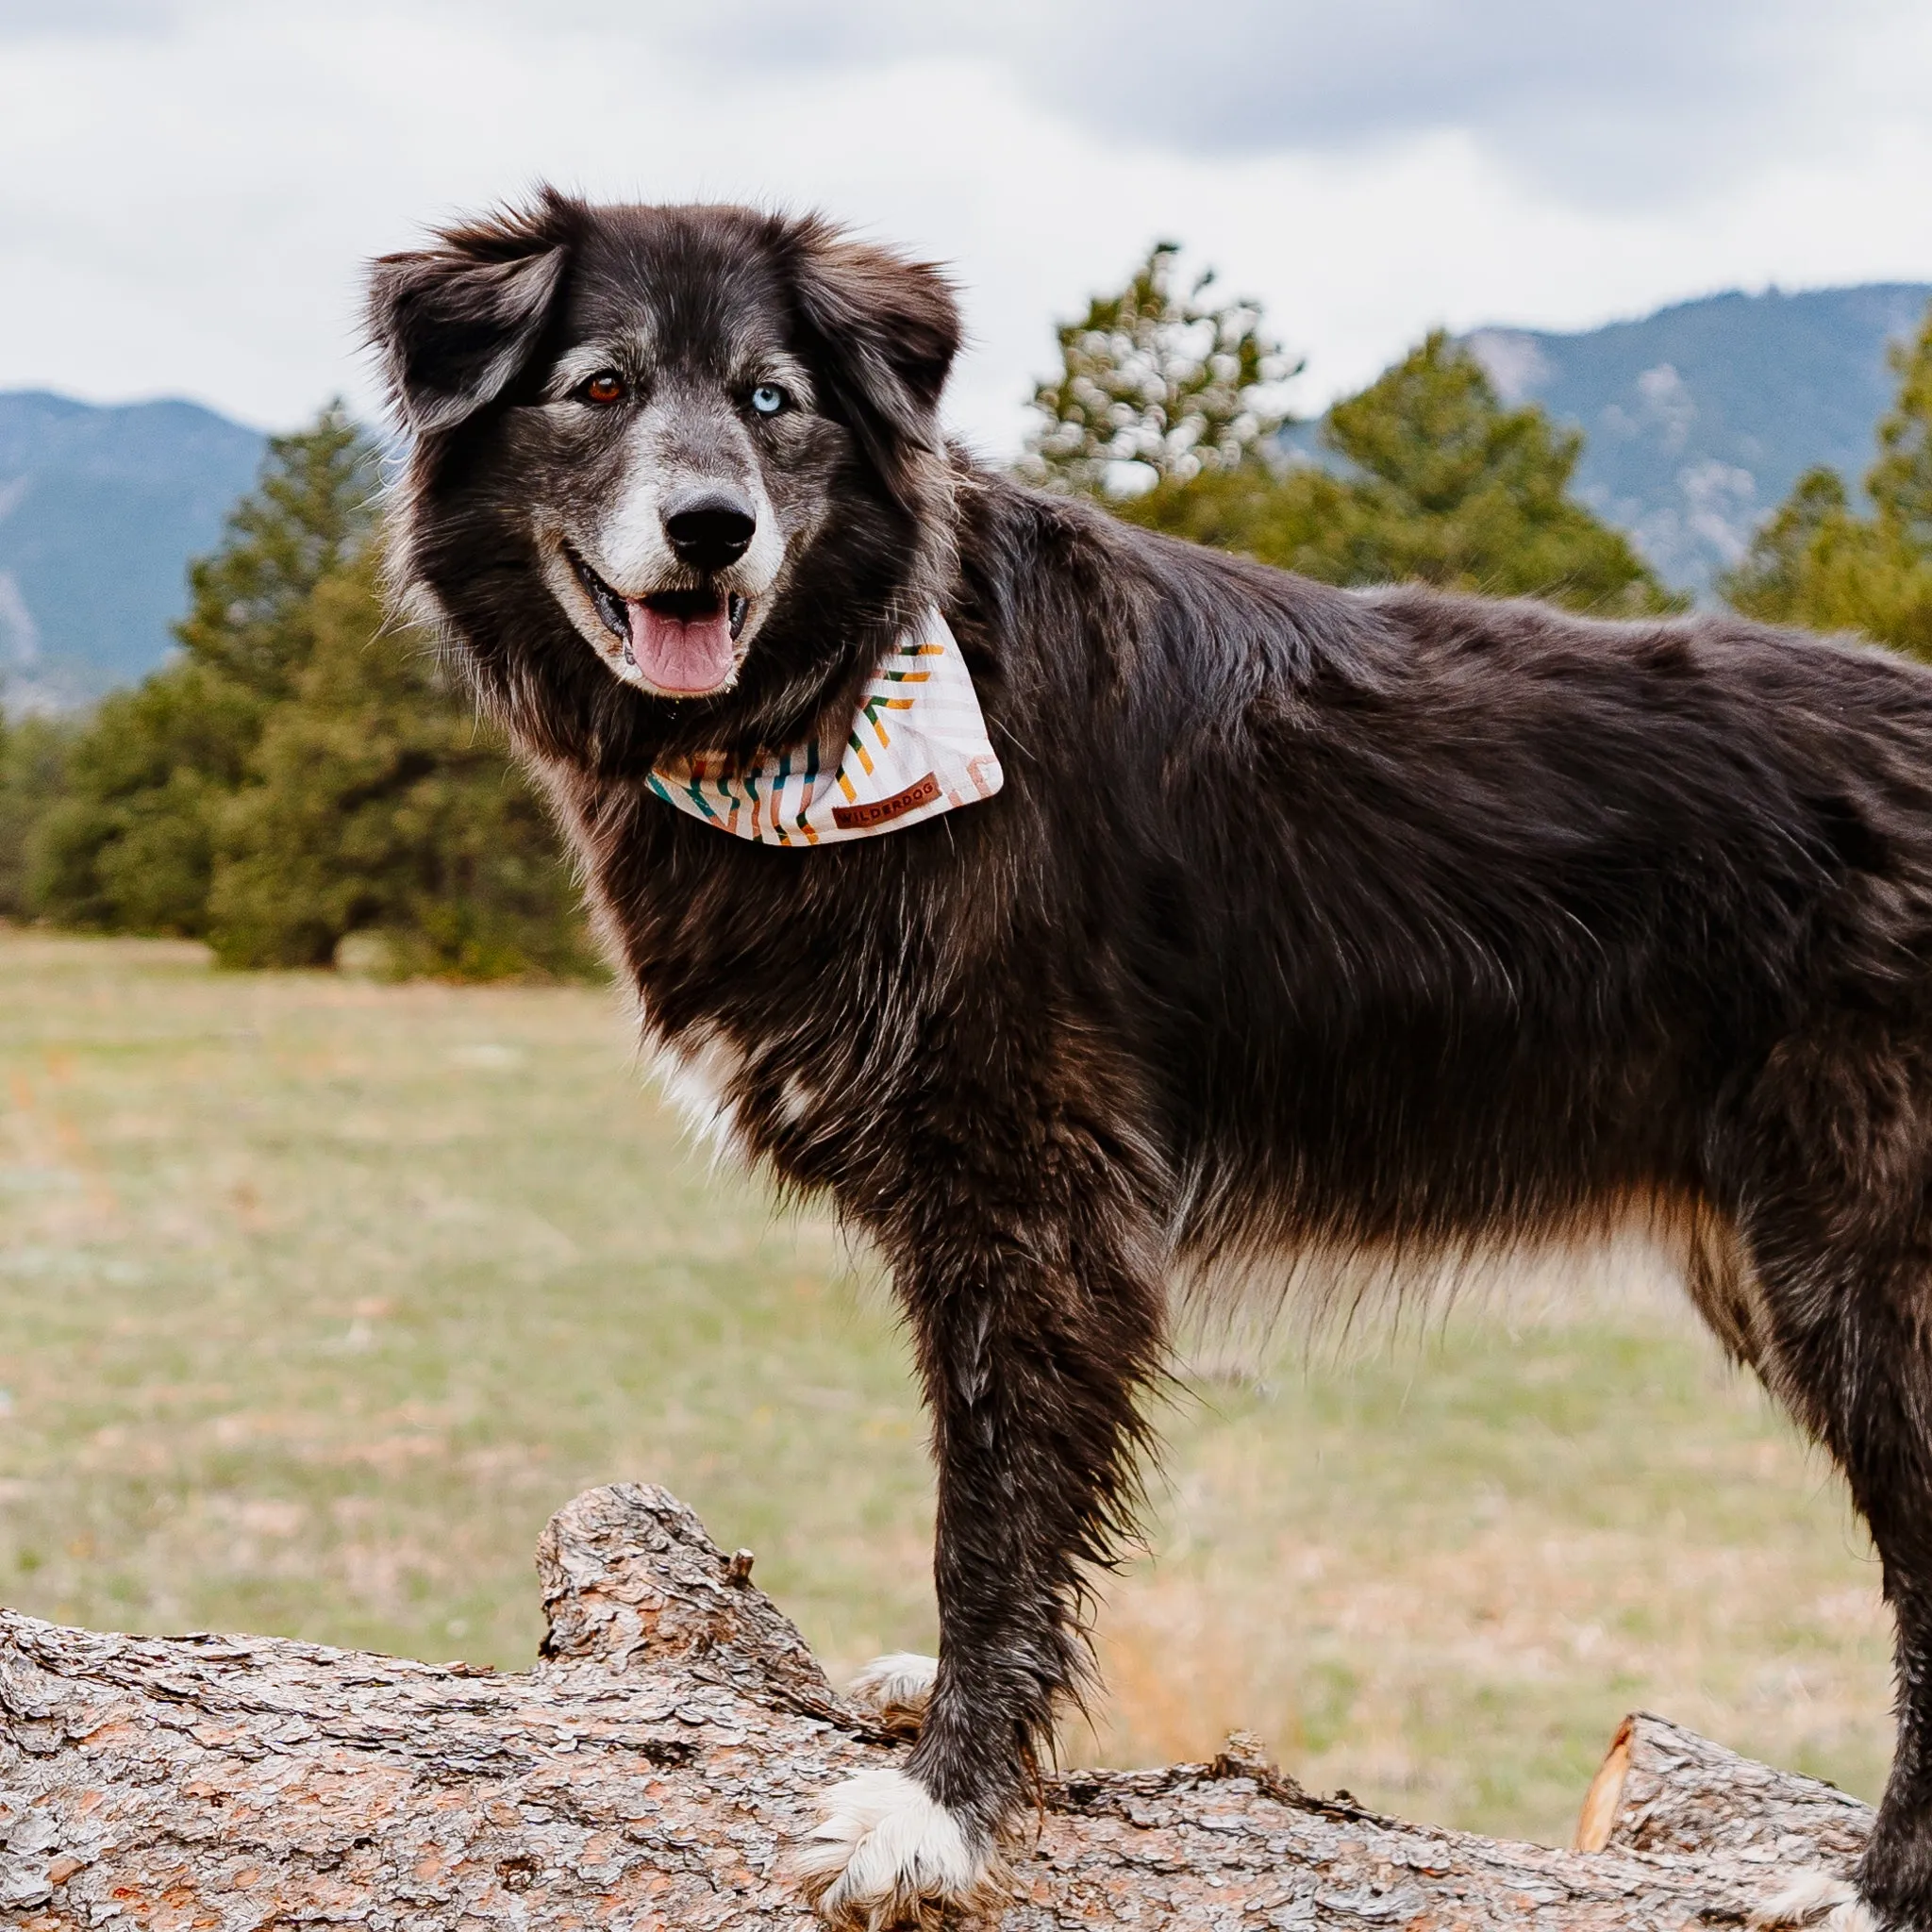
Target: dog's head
[(661, 455)]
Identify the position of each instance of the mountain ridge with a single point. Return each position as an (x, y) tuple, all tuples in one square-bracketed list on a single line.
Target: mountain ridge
[(1699, 417), (1697, 420), (101, 508)]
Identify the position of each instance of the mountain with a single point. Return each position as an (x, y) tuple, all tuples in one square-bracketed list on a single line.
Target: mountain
[(1700, 418), (100, 510), (1697, 420)]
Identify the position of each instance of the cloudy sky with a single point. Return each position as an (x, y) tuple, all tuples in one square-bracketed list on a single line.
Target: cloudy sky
[(186, 190)]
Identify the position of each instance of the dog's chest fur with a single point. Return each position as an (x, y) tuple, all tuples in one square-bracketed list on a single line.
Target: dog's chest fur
[(776, 1006)]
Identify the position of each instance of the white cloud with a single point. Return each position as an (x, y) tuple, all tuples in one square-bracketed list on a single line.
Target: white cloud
[(22, 19), (1611, 104), (186, 195)]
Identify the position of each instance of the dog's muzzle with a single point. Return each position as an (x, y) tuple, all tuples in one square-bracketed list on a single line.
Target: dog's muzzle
[(685, 641)]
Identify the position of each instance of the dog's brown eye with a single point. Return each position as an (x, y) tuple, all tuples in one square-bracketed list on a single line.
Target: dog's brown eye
[(607, 386)]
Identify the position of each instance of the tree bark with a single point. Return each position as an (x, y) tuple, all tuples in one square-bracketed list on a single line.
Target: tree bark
[(648, 1773)]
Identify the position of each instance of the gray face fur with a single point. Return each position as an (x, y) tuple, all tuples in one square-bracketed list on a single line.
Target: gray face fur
[(664, 454), (635, 424)]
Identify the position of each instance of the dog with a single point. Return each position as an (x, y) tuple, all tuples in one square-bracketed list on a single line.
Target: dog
[(1252, 925)]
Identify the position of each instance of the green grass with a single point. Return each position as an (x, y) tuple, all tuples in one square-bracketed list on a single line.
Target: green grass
[(317, 1296)]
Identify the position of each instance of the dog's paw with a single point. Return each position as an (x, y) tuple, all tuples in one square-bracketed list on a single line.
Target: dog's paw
[(886, 1853), (1816, 1902), (895, 1690)]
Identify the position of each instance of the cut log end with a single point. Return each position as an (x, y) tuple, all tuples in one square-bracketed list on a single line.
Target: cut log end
[(655, 1767)]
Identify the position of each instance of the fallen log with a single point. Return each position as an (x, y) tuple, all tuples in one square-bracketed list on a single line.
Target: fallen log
[(650, 1770)]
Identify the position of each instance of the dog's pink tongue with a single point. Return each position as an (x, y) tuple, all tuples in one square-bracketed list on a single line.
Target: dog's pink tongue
[(692, 658)]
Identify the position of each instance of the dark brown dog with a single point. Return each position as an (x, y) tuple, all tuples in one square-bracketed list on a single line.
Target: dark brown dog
[(1308, 923)]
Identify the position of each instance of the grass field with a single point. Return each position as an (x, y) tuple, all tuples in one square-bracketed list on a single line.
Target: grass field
[(317, 1296)]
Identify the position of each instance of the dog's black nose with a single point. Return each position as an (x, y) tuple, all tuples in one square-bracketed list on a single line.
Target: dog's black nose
[(709, 528)]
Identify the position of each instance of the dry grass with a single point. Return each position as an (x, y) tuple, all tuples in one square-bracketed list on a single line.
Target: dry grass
[(1440, 1579), (316, 1297)]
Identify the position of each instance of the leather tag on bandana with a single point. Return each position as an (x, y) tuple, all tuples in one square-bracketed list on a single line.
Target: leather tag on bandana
[(917, 747), (863, 818)]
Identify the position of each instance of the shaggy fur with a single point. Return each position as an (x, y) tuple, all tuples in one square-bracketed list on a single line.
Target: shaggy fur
[(1310, 923)]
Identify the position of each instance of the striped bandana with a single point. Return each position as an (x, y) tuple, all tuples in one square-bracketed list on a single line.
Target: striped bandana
[(918, 747)]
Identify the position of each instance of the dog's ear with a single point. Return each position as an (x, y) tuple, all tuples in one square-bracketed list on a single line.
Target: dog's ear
[(456, 323), (884, 331)]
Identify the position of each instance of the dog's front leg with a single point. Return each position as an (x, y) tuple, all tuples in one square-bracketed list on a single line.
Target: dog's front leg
[(1034, 1297)]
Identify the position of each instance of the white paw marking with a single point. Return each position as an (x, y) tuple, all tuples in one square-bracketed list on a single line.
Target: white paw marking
[(1817, 1901), (887, 1853), (896, 1688)]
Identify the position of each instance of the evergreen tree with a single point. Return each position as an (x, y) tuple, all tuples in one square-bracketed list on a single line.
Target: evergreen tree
[(130, 847), (378, 804), (301, 771), (1431, 478), (1900, 482), (1818, 563), (312, 512), (1771, 582), (33, 761), (1157, 383)]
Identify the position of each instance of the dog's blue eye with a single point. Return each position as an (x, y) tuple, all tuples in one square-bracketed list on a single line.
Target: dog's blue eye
[(768, 399)]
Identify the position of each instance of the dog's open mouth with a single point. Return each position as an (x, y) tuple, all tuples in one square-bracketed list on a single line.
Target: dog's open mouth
[(683, 643)]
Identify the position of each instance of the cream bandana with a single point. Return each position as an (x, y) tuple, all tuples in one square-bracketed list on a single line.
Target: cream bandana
[(918, 747)]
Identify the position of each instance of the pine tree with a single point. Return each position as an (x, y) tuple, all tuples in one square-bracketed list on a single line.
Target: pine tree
[(311, 512), (1817, 561), (378, 804), (1429, 478), (1155, 383), (1900, 482), (33, 764), (130, 846)]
